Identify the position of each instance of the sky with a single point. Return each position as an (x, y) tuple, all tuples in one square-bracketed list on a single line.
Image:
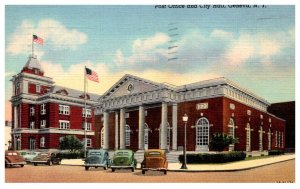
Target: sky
[(254, 47)]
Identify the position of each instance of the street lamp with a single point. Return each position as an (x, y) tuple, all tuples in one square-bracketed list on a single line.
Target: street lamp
[(184, 119)]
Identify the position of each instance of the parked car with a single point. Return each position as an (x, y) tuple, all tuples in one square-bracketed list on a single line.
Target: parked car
[(28, 156), (123, 159), (155, 159), (46, 158), (97, 158), (13, 158)]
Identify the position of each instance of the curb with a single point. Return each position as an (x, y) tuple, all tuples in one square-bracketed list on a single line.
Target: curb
[(230, 170), (224, 170)]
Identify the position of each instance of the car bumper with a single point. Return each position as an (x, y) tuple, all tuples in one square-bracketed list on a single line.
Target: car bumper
[(39, 161), (155, 169), (19, 163), (95, 165), (121, 167)]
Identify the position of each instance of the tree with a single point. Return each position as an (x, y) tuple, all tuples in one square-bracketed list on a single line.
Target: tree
[(219, 141), (71, 143)]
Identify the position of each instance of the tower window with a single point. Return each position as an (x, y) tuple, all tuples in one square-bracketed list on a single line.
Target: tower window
[(38, 88)]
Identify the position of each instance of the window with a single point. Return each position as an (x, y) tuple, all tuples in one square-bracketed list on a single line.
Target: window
[(43, 123), (88, 112), (276, 140), (42, 142), (32, 144), (202, 134), (88, 128), (64, 109), (31, 126), (281, 139), (231, 128), (31, 111), (248, 138), (64, 124), (269, 139), (127, 135), (88, 142), (102, 137), (38, 88), (260, 139), (43, 109)]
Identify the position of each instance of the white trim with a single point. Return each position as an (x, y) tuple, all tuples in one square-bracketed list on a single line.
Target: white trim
[(64, 109), (63, 124), (51, 131)]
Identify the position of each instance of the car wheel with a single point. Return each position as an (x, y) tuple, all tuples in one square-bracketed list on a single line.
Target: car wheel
[(86, 168), (35, 164), (143, 172), (50, 163), (165, 172), (132, 169), (113, 170), (96, 167), (22, 165)]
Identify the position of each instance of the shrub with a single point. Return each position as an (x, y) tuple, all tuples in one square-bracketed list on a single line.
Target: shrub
[(276, 152), (71, 143), (220, 141), (213, 158)]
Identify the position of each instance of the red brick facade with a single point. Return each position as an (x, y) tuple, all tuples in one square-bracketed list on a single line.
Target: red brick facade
[(218, 113), (31, 123)]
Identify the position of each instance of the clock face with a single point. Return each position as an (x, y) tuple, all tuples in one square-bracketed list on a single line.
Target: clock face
[(130, 88)]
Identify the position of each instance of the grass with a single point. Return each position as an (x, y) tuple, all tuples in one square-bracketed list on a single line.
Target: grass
[(259, 157)]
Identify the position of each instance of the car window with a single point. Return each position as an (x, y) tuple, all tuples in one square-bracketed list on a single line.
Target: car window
[(122, 153), (154, 153), (95, 154)]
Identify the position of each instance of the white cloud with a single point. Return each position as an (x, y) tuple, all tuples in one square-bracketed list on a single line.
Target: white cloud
[(53, 32), (151, 43), (241, 50), (217, 33), (268, 48)]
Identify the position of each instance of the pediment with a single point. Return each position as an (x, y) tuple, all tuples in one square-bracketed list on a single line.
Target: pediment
[(130, 84)]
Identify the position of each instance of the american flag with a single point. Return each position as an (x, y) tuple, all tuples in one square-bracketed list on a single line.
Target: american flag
[(91, 75), (37, 40)]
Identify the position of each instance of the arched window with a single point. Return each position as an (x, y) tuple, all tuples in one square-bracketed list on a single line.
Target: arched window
[(260, 142), (231, 132), (127, 135), (269, 139), (102, 137), (202, 134), (231, 128), (248, 138)]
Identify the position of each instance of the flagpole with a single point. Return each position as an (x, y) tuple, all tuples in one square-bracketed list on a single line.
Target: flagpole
[(85, 112), (32, 50)]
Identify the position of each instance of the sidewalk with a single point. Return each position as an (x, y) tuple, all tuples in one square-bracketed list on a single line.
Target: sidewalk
[(234, 166)]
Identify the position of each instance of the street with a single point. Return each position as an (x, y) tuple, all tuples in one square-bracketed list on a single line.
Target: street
[(278, 172)]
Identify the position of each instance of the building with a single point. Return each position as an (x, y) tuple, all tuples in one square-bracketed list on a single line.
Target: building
[(43, 113), (286, 110), (7, 135), (139, 114)]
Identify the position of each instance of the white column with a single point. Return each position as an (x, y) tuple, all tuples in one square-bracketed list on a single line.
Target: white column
[(174, 126), (106, 130), (15, 117), (163, 128), (116, 130), (141, 127), (122, 129)]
